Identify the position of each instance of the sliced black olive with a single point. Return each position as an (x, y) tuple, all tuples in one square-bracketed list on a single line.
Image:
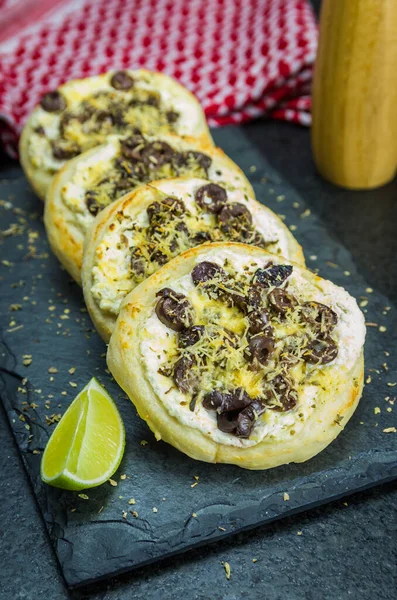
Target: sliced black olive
[(217, 400), (259, 349), (247, 418), (185, 159), (190, 336), (91, 201), (281, 301), (169, 205), (282, 390), (182, 227), (211, 198), (172, 116), (65, 150), (272, 276), (206, 272), (201, 237), (53, 102), (121, 80), (174, 310), (321, 351), (234, 215), (258, 240), (227, 401), (320, 316), (159, 257), (185, 376), (131, 147), (259, 321), (254, 297), (156, 154), (138, 262), (227, 421), (153, 100)]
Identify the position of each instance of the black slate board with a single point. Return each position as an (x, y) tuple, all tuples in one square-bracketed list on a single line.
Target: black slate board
[(91, 538)]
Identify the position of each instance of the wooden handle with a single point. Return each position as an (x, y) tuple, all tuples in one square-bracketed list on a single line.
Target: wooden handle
[(354, 133)]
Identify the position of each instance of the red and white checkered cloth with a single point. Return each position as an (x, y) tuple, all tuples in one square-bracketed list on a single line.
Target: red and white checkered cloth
[(242, 58)]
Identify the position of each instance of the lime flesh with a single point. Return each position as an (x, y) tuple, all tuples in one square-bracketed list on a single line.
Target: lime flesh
[(87, 445)]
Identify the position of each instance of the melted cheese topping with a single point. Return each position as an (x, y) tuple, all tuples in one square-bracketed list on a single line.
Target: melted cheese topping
[(96, 166), (173, 97), (111, 272), (158, 344)]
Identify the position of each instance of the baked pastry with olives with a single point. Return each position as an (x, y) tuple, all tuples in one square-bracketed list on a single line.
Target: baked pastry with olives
[(142, 231), (235, 355), (91, 181), (82, 114)]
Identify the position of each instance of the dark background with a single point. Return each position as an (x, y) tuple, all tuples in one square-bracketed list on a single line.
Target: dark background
[(346, 550)]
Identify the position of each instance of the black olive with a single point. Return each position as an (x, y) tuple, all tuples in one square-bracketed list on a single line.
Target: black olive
[(227, 401), (91, 201), (259, 349), (211, 198), (247, 418), (156, 154), (190, 336), (185, 376), (169, 205), (259, 321), (217, 400), (121, 80), (138, 262), (172, 116), (187, 159), (321, 317), (285, 394), (236, 215), (321, 351), (174, 310), (201, 237), (159, 257), (153, 100), (206, 272), (53, 102), (273, 276), (281, 301), (131, 147), (182, 227), (227, 421), (65, 150)]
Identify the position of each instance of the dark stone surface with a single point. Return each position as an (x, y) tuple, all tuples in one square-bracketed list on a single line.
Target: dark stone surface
[(327, 560)]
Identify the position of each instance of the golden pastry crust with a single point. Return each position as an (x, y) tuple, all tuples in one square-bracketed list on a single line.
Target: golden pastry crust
[(102, 275), (333, 406), (38, 160), (66, 215)]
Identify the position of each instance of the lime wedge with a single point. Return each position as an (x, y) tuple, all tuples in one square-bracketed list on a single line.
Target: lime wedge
[(87, 445)]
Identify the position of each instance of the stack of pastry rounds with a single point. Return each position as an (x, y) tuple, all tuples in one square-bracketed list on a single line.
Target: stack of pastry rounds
[(235, 355), (229, 348), (91, 181), (139, 233), (82, 114)]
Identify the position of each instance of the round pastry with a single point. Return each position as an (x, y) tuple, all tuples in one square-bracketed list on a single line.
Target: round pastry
[(234, 355), (133, 237), (91, 181), (82, 113)]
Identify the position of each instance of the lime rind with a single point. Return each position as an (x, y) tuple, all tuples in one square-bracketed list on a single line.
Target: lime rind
[(72, 447)]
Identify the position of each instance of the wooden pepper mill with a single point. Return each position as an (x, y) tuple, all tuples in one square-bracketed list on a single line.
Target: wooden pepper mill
[(354, 133)]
